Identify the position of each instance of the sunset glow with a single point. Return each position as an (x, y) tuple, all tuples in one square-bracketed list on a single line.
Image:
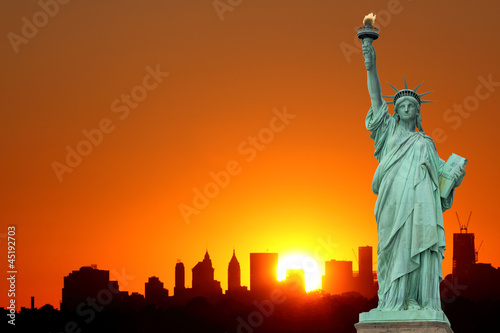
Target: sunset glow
[(308, 264)]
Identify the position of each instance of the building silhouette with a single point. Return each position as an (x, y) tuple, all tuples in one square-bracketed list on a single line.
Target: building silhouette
[(87, 282), (464, 254), (204, 283), (134, 301), (338, 277), (263, 273), (364, 282), (179, 287), (234, 287), (233, 273), (365, 264), (470, 279), (155, 293)]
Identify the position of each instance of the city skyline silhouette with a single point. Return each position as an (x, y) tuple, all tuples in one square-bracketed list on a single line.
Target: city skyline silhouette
[(263, 279), (90, 298), (339, 278)]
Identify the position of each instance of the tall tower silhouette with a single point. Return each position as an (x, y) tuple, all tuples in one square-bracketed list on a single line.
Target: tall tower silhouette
[(263, 272), (203, 278), (203, 273), (365, 265), (233, 273), (179, 279), (464, 254), (364, 281)]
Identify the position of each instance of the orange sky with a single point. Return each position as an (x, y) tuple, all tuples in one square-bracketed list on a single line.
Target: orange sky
[(119, 208)]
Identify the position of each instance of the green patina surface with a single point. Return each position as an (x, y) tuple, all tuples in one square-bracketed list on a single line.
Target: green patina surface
[(409, 207)]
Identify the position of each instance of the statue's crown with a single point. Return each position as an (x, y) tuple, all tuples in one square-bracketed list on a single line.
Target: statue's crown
[(407, 92)]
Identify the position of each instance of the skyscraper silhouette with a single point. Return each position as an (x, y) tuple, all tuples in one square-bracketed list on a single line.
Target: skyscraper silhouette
[(364, 282), (179, 288), (233, 273), (263, 273), (365, 264), (470, 279), (155, 293), (464, 254), (87, 282), (203, 279)]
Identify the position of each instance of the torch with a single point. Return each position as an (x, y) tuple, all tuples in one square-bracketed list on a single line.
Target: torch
[(368, 33)]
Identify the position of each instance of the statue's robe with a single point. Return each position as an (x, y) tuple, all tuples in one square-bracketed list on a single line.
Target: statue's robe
[(409, 215)]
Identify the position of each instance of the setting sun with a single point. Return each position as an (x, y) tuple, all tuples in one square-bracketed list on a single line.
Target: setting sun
[(308, 264)]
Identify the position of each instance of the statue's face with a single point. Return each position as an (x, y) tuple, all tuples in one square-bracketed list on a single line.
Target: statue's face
[(407, 108)]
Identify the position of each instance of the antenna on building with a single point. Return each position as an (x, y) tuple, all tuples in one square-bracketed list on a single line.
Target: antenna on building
[(355, 256)]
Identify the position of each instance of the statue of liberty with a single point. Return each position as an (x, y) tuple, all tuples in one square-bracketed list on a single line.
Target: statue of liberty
[(409, 206)]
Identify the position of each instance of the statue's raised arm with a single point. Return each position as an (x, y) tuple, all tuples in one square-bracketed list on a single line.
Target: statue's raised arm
[(373, 81)]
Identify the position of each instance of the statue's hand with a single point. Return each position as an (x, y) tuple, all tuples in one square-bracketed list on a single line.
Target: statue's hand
[(459, 176), (369, 54)]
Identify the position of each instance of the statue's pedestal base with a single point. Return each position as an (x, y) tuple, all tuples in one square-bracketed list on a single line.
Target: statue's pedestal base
[(408, 321), (406, 327)]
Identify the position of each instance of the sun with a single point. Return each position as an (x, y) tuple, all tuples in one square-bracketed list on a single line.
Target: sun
[(312, 272)]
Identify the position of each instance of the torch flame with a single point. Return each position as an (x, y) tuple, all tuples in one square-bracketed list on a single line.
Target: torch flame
[(369, 19)]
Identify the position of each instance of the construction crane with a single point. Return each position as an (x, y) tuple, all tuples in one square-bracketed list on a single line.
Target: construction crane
[(477, 251), (463, 226), (355, 256)]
